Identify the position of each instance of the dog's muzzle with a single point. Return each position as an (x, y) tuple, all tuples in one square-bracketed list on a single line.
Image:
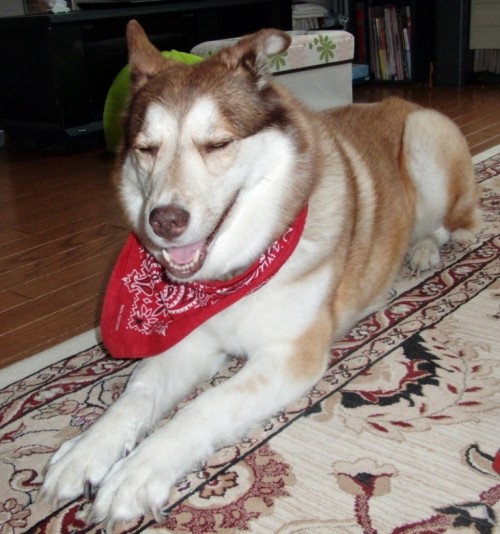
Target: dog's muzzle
[(170, 222)]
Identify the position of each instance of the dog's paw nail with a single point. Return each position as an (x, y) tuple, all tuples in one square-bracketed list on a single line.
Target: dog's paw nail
[(165, 511), (89, 491), (157, 514), (91, 517), (110, 527), (53, 501), (41, 496)]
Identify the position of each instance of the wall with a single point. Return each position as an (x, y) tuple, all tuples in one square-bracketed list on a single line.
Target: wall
[(485, 24)]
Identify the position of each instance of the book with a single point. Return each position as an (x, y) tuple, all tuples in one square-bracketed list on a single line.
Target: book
[(390, 28)]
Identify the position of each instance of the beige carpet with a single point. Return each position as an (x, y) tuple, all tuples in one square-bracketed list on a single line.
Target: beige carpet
[(397, 438)]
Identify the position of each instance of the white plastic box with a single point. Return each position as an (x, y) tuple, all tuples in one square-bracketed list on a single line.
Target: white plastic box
[(317, 67)]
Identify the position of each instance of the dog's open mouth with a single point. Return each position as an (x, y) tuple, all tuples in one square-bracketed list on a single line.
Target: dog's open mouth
[(185, 261)]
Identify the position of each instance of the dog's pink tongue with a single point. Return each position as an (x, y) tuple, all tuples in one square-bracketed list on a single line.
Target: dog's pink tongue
[(182, 255)]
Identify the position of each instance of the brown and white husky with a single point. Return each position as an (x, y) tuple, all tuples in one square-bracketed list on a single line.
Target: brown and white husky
[(219, 166)]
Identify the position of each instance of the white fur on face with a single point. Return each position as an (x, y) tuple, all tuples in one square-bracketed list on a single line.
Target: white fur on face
[(177, 173), (188, 171)]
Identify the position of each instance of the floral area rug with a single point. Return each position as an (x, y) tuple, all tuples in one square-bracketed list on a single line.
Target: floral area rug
[(398, 437)]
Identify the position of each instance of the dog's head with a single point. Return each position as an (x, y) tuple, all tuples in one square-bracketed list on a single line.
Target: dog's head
[(204, 171)]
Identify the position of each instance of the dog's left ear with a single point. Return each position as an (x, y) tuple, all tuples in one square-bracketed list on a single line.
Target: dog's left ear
[(145, 59), (252, 53)]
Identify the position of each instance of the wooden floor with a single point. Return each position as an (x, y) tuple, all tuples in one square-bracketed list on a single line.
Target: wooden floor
[(61, 227)]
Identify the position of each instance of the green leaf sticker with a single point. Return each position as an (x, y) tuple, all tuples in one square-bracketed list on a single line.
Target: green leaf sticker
[(279, 60), (325, 46)]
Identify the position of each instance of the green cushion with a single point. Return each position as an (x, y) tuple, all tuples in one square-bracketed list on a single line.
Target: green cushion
[(118, 95)]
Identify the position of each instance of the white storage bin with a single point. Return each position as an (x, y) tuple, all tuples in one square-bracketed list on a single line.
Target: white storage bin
[(317, 67)]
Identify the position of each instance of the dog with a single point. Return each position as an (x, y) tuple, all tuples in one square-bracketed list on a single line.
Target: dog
[(221, 170)]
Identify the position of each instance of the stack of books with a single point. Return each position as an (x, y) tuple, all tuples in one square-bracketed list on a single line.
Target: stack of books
[(390, 42)]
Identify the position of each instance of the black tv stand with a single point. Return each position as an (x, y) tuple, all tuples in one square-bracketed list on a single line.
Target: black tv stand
[(57, 69)]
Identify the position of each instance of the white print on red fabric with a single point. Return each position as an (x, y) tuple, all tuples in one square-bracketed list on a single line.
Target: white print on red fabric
[(158, 302)]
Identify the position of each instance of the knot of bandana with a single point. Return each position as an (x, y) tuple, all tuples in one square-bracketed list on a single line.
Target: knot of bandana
[(145, 314)]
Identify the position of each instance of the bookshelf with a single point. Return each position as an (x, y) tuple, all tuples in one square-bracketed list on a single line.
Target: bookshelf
[(394, 38)]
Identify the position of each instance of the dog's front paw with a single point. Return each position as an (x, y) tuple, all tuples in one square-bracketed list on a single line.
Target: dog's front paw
[(423, 256), (80, 465), (464, 236), (135, 486)]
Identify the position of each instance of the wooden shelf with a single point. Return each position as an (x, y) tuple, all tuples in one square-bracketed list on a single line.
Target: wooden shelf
[(394, 38)]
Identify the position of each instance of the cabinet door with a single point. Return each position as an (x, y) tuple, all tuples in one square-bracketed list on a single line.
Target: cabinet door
[(236, 21), (26, 81), (70, 76), (105, 47), (485, 24)]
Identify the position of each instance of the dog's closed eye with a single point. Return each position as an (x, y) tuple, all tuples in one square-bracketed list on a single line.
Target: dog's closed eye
[(215, 146), (149, 150)]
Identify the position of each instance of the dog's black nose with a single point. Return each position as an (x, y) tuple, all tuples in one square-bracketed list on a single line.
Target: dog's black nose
[(169, 221)]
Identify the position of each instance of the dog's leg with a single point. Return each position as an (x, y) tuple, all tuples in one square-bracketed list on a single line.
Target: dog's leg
[(154, 388), (437, 158), (273, 377)]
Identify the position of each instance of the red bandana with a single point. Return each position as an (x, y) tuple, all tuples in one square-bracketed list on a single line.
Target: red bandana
[(144, 315)]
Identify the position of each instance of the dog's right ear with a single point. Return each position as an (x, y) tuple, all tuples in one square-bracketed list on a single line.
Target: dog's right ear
[(144, 58), (252, 52)]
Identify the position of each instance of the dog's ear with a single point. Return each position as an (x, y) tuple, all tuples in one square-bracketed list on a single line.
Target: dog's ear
[(252, 52), (145, 59)]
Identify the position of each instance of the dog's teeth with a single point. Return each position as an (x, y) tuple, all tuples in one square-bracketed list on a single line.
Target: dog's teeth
[(196, 257), (182, 267), (166, 255)]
